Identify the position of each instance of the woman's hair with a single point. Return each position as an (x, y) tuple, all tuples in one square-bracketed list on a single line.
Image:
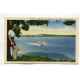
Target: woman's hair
[(9, 24)]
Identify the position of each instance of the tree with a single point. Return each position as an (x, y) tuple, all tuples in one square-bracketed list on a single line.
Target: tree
[(16, 28), (25, 27), (69, 22), (37, 22)]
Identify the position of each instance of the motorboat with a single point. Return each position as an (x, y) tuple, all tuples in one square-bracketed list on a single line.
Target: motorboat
[(40, 43)]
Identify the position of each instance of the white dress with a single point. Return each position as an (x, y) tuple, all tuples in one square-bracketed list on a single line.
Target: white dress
[(11, 33)]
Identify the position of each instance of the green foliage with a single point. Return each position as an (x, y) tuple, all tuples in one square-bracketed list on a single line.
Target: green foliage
[(41, 58), (37, 22), (33, 58), (17, 31), (10, 25), (25, 27), (69, 22)]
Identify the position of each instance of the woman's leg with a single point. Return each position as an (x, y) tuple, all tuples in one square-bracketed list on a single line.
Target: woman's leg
[(11, 51), (9, 57)]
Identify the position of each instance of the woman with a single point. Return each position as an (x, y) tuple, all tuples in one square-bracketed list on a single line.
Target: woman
[(11, 35), (11, 45)]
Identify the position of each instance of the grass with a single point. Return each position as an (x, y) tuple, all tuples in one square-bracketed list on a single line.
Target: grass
[(40, 58), (32, 58)]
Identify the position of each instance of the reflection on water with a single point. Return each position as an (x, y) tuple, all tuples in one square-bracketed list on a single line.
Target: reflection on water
[(53, 47)]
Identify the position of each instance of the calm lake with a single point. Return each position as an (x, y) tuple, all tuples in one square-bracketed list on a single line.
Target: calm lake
[(56, 47)]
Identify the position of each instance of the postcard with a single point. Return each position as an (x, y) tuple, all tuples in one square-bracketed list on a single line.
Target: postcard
[(40, 40)]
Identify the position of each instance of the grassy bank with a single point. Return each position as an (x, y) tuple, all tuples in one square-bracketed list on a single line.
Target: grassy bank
[(32, 58), (41, 58)]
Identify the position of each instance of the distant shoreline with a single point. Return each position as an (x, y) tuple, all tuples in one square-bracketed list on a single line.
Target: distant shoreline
[(44, 35)]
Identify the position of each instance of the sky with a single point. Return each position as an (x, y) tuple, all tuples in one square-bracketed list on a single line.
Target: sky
[(58, 24)]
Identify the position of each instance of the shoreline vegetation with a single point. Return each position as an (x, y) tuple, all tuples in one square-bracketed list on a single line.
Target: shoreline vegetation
[(48, 35), (41, 58)]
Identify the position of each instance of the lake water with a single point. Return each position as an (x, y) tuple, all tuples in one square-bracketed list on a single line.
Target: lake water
[(57, 47)]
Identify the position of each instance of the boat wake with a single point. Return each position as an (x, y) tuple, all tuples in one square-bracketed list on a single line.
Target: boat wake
[(38, 43)]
